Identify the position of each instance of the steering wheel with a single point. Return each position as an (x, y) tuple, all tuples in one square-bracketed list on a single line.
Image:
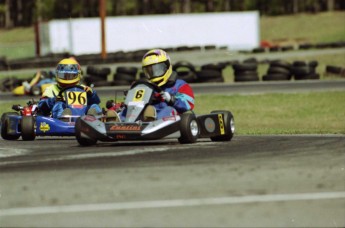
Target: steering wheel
[(69, 87), (153, 86)]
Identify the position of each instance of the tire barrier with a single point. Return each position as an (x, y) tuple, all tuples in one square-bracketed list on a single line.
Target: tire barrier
[(267, 46), (246, 70), (334, 71), (278, 70), (9, 83), (3, 63), (124, 76), (185, 71), (96, 76), (303, 70)]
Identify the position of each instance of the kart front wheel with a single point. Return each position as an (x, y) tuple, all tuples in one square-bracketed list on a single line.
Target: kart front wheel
[(189, 128), (5, 125), (83, 141), (229, 126), (28, 128)]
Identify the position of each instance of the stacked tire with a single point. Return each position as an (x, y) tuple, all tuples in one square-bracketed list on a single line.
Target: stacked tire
[(303, 70), (185, 71), (278, 70), (124, 76), (246, 71), (97, 76), (9, 83), (335, 71), (211, 72)]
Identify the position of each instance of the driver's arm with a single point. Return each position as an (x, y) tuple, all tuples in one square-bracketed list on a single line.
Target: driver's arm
[(183, 99), (47, 100)]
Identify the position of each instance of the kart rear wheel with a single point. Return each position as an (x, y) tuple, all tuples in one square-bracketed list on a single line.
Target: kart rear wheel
[(229, 126), (28, 128), (189, 128), (4, 126), (82, 140)]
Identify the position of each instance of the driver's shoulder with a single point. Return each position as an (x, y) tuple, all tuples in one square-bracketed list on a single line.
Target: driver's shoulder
[(51, 90)]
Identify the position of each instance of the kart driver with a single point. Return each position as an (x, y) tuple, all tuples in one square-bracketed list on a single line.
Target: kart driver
[(176, 97), (68, 73)]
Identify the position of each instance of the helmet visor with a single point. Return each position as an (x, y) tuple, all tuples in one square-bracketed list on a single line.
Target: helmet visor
[(67, 75), (155, 70)]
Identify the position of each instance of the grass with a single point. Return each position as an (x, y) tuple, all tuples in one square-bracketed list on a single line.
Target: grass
[(304, 113), (315, 28)]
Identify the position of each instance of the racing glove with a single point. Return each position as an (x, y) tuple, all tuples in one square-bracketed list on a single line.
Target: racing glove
[(170, 99), (88, 90), (59, 98)]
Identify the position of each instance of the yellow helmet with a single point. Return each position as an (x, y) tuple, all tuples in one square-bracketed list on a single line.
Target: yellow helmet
[(68, 72), (156, 66)]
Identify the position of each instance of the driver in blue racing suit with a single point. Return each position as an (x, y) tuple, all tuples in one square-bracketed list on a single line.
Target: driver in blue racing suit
[(68, 73), (176, 97)]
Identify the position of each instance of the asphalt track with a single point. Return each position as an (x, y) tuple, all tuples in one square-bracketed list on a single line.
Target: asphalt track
[(251, 181)]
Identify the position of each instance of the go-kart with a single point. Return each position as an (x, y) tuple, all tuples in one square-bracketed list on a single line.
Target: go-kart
[(36, 86), (28, 123), (186, 127)]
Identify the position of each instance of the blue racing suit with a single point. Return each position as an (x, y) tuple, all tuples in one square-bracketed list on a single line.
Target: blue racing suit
[(50, 104), (183, 99)]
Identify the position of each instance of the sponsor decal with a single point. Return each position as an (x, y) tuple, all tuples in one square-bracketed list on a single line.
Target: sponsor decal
[(120, 136), (167, 118), (76, 99), (124, 128), (90, 118), (139, 95), (44, 127), (221, 124), (210, 124)]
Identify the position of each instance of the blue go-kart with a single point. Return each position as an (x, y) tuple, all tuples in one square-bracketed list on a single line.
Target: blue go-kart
[(27, 122)]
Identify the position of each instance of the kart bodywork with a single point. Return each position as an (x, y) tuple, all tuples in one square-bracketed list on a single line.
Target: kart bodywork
[(186, 127), (27, 122), (36, 86)]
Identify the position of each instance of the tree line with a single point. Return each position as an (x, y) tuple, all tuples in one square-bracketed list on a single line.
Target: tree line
[(15, 13)]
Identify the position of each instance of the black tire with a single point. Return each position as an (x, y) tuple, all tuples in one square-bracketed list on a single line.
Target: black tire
[(123, 76), (89, 79), (279, 70), (213, 66), (229, 126), (102, 83), (189, 128), (182, 65), (4, 126), (245, 66), (81, 140), (187, 76), (208, 74), (246, 78), (276, 77), (96, 71), (302, 71), (127, 70), (28, 128), (299, 63), (246, 74), (334, 69), (120, 83), (312, 76), (280, 63)]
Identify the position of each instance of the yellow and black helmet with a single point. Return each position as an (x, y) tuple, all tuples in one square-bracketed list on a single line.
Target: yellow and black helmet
[(68, 72), (156, 66)]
